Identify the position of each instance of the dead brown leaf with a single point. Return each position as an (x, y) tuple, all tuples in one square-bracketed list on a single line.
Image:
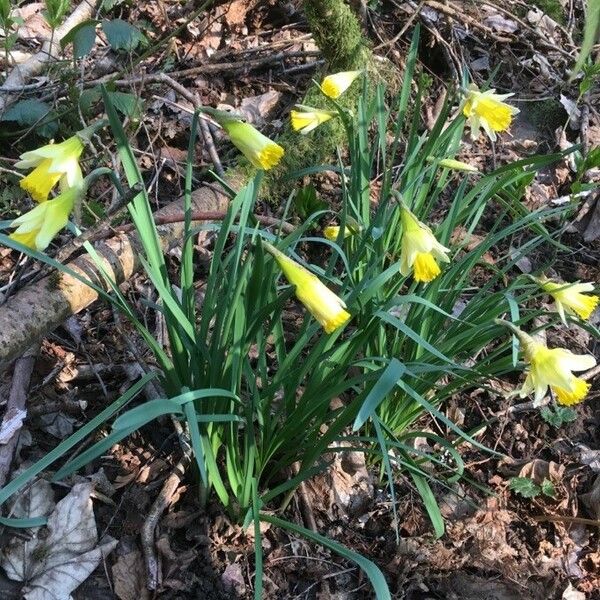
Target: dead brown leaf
[(129, 578)]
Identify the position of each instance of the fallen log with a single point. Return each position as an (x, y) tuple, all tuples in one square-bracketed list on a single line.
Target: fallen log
[(37, 309)]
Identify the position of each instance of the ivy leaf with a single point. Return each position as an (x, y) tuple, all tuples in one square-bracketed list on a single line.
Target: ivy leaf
[(33, 112), (128, 105), (82, 36), (121, 35), (559, 416), (89, 99), (525, 487)]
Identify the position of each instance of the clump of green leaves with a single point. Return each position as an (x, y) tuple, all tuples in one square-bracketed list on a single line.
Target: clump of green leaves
[(526, 487), (7, 23), (55, 12), (558, 415)]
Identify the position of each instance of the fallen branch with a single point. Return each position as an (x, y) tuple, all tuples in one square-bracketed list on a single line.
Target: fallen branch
[(39, 308), (196, 216), (34, 65)]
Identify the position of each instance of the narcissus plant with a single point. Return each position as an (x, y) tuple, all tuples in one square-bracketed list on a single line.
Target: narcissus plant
[(325, 306), (335, 85), (262, 152), (552, 367), (420, 251), (488, 111), (569, 297), (305, 118), (52, 163), (38, 227)]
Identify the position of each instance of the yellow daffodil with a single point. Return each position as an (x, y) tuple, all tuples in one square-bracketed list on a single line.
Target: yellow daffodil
[(552, 367), (38, 227), (52, 163), (488, 111), (335, 85), (262, 152), (420, 251), (331, 232), (568, 298), (306, 118), (325, 306)]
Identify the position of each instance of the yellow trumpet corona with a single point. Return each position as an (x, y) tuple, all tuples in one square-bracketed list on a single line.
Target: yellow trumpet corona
[(52, 163), (552, 367), (305, 119), (335, 85), (420, 251), (325, 306), (37, 228), (262, 152), (488, 111), (569, 299)]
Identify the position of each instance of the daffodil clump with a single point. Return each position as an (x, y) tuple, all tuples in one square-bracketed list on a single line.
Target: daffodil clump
[(569, 298), (324, 305), (52, 164), (420, 251), (552, 368), (262, 152), (488, 111)]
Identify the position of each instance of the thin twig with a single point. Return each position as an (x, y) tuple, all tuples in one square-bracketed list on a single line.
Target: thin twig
[(160, 505), (17, 401), (212, 215)]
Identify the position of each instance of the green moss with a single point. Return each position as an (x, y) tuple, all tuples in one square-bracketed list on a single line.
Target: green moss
[(337, 33), (552, 8), (545, 114)]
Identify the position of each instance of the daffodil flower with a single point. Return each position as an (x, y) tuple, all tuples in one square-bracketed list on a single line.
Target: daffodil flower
[(420, 251), (325, 306), (306, 118), (335, 85), (52, 163), (488, 111), (37, 228), (552, 367), (331, 232), (569, 299), (262, 152)]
